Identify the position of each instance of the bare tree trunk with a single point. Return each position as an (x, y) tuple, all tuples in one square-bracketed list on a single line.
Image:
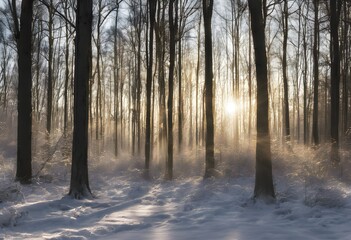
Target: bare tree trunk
[(79, 186), (315, 133), (298, 80), (37, 74), (65, 120), (139, 84), (305, 112), (335, 6), (172, 44), (116, 80), (160, 54), (180, 98), (250, 80), (197, 83), (50, 69), (98, 100), (345, 72), (210, 160), (121, 62), (23, 37), (285, 76), (264, 179), (152, 12)]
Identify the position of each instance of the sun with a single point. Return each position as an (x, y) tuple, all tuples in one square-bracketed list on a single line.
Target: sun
[(231, 107)]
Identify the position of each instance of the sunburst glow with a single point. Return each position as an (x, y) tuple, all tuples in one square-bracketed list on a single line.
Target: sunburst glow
[(231, 107)]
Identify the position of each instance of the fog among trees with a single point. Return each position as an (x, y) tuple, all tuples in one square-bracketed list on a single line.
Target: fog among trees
[(177, 88)]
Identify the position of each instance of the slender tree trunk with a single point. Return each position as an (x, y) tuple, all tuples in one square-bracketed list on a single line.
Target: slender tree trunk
[(305, 112), (24, 130), (335, 6), (297, 67), (152, 12), (180, 98), (210, 160), (139, 84), (315, 133), (172, 44), (115, 76), (37, 76), (285, 76), (79, 186), (50, 70), (65, 118), (160, 53), (345, 75), (264, 179), (250, 80), (98, 100), (121, 63), (197, 83)]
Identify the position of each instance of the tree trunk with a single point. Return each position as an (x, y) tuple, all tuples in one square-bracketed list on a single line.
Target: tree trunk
[(50, 69), (65, 118), (345, 75), (197, 83), (180, 98), (172, 44), (297, 72), (210, 161), (335, 6), (152, 12), (264, 179), (98, 105), (250, 81), (24, 131), (305, 112), (160, 54), (115, 78), (37, 73), (79, 186), (285, 76), (315, 133)]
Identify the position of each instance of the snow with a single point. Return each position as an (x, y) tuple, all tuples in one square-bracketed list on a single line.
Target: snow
[(313, 198)]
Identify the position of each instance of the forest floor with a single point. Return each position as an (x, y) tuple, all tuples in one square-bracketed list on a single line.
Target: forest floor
[(313, 197)]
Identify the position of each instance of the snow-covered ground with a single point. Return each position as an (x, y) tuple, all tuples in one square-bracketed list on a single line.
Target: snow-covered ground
[(313, 198)]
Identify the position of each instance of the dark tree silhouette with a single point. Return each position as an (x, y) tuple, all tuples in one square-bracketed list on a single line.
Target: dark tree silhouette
[(285, 69), (152, 13), (335, 7), (264, 180), (210, 161), (172, 43), (79, 187), (315, 134), (24, 132)]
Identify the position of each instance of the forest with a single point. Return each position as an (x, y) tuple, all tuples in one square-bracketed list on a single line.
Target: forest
[(135, 119)]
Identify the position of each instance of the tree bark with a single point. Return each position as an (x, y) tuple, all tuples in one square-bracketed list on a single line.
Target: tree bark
[(210, 160), (315, 133), (152, 12), (24, 105), (264, 179), (50, 69), (285, 76), (335, 6), (160, 55), (172, 44), (79, 186), (116, 79), (197, 84), (65, 118)]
